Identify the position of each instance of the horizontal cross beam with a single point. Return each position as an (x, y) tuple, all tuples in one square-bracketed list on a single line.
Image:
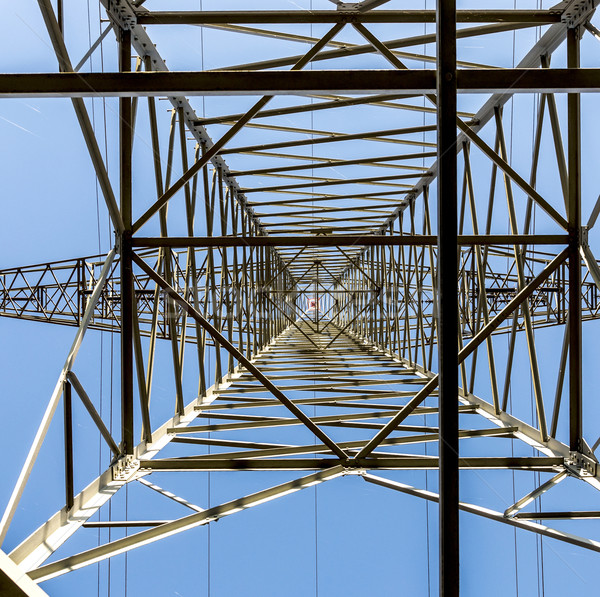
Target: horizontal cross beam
[(337, 240), (537, 463), (278, 17), (419, 82)]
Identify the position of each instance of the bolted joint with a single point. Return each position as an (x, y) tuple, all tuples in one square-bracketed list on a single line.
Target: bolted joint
[(580, 465), (577, 12), (118, 244), (125, 468), (348, 6), (361, 472), (122, 13), (348, 16)]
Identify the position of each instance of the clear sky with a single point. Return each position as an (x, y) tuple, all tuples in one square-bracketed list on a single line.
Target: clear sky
[(345, 537)]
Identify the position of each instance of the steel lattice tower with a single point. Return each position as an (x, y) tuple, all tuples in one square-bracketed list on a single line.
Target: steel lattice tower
[(355, 298)]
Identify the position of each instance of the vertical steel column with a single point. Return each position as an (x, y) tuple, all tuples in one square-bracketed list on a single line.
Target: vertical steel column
[(448, 304), (127, 302), (574, 215), (68, 421)]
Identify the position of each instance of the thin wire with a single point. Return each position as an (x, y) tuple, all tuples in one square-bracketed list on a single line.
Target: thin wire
[(536, 476), (106, 160), (538, 34), (208, 476), (514, 494), (202, 62), (539, 538), (316, 494), (316, 513), (89, 19), (111, 432)]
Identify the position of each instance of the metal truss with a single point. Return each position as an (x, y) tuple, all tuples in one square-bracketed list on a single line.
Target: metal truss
[(317, 271)]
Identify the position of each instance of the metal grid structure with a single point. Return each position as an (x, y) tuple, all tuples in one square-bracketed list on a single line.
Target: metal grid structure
[(376, 273)]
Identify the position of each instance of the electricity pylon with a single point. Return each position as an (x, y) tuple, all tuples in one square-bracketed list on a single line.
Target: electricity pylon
[(387, 274)]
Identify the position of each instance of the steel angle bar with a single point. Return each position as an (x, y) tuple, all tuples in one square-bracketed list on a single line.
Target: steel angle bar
[(594, 214), (378, 136), (345, 240), (143, 387), (532, 495), (490, 514), (447, 274), (122, 524), (241, 358), (191, 463), (275, 17), (89, 405), (573, 515), (266, 451), (92, 49), (556, 136), (593, 30), (89, 136), (335, 182), (168, 529), (54, 399), (376, 161), (171, 495), (480, 337), (257, 421), (223, 83), (325, 105), (562, 367), (127, 302), (68, 444)]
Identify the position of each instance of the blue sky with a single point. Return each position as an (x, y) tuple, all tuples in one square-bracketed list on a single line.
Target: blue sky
[(359, 539)]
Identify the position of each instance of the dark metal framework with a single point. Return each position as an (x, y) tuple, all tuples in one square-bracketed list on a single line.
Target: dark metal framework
[(317, 268)]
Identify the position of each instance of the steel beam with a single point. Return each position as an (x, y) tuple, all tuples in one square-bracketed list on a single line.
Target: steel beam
[(531, 463), (490, 514), (36, 445), (345, 240), (574, 228), (277, 17), (447, 274), (168, 529), (127, 297), (60, 49), (219, 83)]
